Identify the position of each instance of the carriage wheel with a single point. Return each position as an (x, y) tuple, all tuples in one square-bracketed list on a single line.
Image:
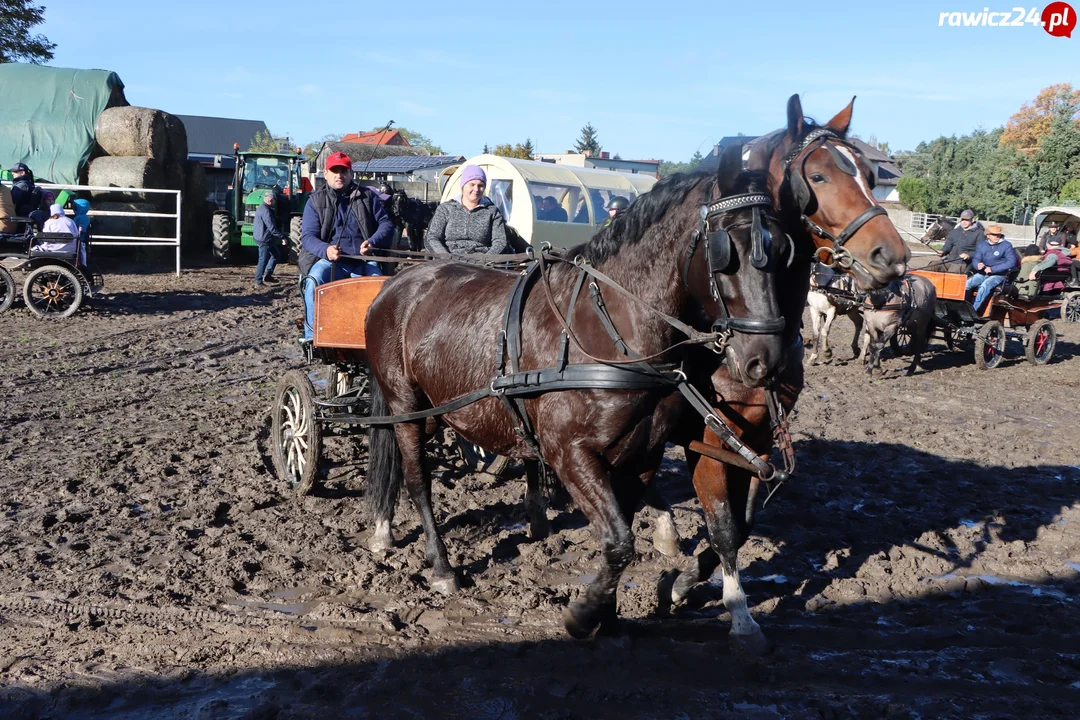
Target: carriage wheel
[(52, 291), (901, 341), (1041, 339), (1072, 308), (7, 289), (480, 459), (297, 436), (990, 345)]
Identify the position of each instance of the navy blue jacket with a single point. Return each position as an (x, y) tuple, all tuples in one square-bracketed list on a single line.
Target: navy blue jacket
[(265, 230), (343, 218), (1000, 258)]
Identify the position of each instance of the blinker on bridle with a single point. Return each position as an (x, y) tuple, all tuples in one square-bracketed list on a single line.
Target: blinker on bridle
[(718, 255), (837, 256)]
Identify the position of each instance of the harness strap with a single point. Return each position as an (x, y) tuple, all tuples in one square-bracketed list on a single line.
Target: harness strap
[(723, 431)]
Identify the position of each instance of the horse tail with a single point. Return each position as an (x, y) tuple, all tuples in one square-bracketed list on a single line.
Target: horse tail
[(384, 476)]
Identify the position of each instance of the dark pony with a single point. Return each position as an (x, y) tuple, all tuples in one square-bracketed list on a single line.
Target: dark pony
[(435, 334)]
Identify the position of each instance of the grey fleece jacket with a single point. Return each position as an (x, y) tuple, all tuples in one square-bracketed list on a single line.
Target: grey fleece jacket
[(454, 229)]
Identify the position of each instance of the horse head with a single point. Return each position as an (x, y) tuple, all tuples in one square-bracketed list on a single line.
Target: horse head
[(937, 231), (734, 275), (826, 187)]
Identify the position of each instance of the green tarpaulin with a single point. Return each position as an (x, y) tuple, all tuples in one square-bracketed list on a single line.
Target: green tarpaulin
[(47, 116)]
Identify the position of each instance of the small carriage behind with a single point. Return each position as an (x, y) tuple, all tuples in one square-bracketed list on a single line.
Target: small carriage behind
[(56, 283)]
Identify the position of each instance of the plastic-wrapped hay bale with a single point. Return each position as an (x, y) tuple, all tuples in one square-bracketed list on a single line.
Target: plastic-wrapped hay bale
[(133, 132), (125, 172)]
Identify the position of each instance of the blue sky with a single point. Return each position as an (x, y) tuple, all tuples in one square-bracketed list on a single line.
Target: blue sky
[(657, 79)]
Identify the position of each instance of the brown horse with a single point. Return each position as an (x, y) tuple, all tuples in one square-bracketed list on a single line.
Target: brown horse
[(823, 193), (703, 249)]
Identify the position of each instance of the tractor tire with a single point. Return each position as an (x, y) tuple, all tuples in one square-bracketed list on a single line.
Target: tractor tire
[(294, 238), (7, 289), (1041, 339), (221, 230)]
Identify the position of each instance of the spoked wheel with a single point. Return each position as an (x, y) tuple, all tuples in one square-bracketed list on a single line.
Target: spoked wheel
[(1072, 308), (297, 437), (1041, 339), (52, 291), (900, 342), (480, 459), (990, 345), (7, 289)]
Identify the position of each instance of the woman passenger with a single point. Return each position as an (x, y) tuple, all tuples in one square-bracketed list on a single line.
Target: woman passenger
[(470, 225)]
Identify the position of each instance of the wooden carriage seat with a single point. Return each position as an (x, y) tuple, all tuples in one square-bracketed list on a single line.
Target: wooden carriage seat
[(340, 310)]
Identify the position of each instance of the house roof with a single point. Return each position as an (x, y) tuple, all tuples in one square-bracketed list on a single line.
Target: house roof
[(215, 136), (888, 173), (376, 137), (869, 152), (408, 163)]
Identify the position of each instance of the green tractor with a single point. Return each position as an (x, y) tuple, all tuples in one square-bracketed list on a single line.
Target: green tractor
[(256, 174)]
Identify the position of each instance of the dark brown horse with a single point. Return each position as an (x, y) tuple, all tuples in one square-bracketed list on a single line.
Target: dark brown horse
[(432, 338), (823, 193)]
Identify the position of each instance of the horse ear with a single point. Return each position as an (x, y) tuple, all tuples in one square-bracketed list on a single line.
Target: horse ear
[(794, 118), (842, 121), (730, 167)]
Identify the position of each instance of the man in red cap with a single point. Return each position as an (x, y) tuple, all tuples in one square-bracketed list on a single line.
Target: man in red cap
[(342, 220)]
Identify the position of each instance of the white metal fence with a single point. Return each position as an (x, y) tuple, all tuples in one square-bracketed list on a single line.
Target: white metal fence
[(131, 240), (923, 221)]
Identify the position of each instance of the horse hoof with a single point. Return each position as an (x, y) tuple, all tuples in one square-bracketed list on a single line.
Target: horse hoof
[(381, 542), (539, 529), (751, 645), (446, 586), (666, 541), (578, 621)]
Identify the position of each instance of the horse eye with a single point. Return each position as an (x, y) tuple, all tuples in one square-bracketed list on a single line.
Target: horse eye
[(817, 178)]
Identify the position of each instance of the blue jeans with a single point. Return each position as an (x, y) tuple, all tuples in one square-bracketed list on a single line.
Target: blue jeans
[(269, 254), (986, 284), (320, 273)]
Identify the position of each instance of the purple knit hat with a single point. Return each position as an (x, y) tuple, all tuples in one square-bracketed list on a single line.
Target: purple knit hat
[(470, 173)]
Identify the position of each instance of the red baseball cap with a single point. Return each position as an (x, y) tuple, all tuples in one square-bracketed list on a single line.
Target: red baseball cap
[(338, 159)]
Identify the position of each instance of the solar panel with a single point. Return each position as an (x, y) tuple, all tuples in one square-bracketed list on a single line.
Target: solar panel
[(405, 163)]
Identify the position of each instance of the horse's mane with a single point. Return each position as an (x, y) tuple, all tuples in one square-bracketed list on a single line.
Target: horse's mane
[(630, 226)]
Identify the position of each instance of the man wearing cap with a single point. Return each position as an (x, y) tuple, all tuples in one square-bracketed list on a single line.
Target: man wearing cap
[(962, 242), (341, 219), (1053, 230), (471, 224), (992, 261), (26, 195)]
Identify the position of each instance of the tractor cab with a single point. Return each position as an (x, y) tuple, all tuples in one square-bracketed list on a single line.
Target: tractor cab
[(256, 174)]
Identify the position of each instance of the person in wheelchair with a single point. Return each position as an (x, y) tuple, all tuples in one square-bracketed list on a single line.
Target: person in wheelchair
[(60, 224)]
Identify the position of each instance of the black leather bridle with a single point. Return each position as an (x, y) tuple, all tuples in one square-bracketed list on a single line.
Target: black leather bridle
[(718, 255), (837, 256)]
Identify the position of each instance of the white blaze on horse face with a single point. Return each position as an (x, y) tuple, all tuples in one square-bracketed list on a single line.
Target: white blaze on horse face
[(860, 180)]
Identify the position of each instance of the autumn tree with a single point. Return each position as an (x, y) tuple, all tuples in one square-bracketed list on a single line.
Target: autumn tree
[(1032, 122), (523, 151), (17, 17), (263, 142), (588, 143)]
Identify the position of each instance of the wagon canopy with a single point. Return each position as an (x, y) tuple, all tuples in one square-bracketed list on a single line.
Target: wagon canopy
[(1069, 215), (576, 197), (47, 116)]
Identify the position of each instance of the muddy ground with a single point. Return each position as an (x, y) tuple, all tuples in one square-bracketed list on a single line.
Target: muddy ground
[(924, 563)]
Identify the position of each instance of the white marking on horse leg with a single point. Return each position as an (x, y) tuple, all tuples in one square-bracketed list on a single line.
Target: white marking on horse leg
[(735, 602), (666, 535), (381, 539)]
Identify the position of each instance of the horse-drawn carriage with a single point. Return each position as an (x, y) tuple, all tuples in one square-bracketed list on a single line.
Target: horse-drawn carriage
[(1008, 314), (302, 415), (56, 284), (1068, 218)]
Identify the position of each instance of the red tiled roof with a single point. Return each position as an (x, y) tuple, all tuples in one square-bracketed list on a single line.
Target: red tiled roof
[(377, 138)]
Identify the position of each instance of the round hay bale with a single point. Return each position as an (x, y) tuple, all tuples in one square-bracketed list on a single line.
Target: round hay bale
[(196, 214), (125, 172), (176, 149), (133, 132), (136, 227)]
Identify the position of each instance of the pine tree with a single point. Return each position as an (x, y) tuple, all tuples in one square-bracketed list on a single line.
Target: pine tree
[(588, 143), (487, 150), (528, 149), (16, 42)]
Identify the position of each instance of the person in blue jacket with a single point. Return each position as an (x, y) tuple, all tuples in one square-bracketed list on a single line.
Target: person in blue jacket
[(341, 219), (269, 239), (992, 262)]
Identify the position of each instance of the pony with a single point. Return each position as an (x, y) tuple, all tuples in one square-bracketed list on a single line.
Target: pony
[(823, 194), (900, 312), (834, 293), (697, 251)]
